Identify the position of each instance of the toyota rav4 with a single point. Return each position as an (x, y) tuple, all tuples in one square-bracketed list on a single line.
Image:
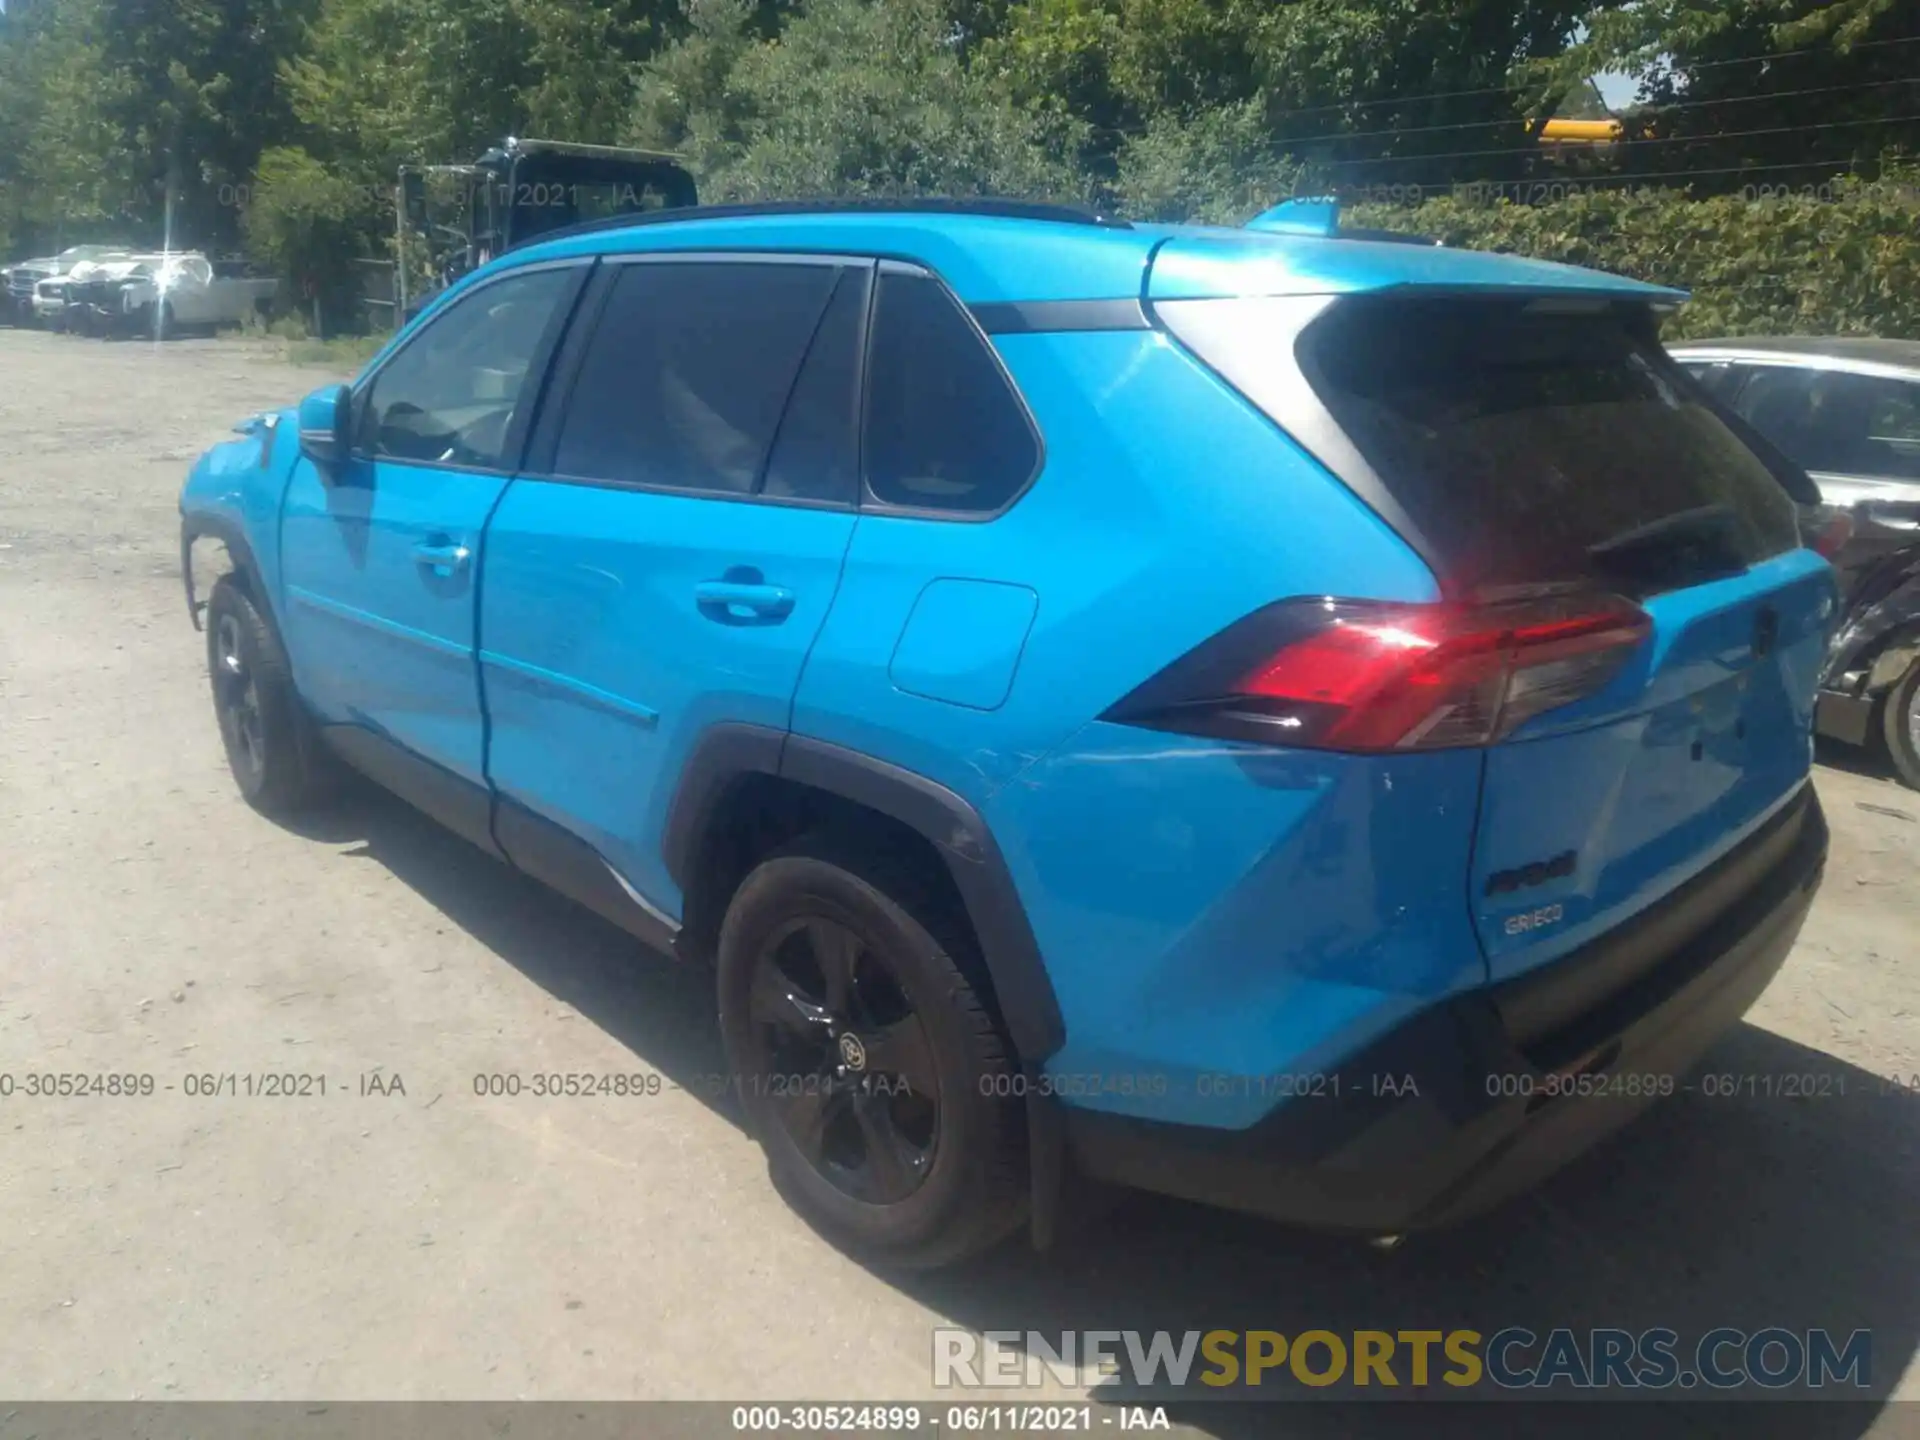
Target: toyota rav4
[(1308, 723)]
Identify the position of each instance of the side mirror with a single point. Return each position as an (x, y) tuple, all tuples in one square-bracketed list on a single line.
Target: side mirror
[(324, 417)]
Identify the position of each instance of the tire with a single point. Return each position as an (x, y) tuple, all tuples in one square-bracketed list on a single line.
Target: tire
[(1900, 726), (271, 747), (832, 1077)]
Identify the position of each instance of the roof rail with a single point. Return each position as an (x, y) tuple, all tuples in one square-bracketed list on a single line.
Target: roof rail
[(862, 205)]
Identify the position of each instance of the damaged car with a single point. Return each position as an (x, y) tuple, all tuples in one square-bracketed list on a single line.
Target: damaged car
[(26, 302), (187, 291), (1847, 410)]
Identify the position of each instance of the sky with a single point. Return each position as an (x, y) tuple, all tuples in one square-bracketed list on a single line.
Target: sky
[(1617, 90)]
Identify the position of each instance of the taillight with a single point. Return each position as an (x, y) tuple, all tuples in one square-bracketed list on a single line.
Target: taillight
[(1367, 676), (1832, 537)]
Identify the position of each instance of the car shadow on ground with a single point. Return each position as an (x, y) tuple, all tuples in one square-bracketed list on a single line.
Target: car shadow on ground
[(1744, 1209), (660, 1008), (1781, 1192)]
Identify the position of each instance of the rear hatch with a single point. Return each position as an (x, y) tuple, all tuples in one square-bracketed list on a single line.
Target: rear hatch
[(1630, 632)]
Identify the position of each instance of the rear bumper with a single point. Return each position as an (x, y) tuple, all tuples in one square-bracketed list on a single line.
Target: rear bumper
[(1478, 1098)]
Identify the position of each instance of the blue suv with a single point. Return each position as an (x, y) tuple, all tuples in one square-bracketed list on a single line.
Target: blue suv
[(1306, 723)]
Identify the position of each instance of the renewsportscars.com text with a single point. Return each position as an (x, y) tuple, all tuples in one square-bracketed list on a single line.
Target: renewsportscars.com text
[(1514, 1358)]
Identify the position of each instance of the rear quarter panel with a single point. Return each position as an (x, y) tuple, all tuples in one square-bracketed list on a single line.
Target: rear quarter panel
[(1165, 510), (1199, 906)]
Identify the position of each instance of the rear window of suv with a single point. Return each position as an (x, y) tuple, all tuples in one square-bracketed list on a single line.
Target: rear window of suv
[(1530, 444)]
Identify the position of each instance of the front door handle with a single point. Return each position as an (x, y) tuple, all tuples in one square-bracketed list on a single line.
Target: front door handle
[(446, 558), (742, 601)]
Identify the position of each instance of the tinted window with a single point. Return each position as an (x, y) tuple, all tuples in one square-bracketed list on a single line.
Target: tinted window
[(1721, 379), (687, 373), (449, 396), (1531, 445), (816, 453), (1893, 430), (944, 429), (1844, 424)]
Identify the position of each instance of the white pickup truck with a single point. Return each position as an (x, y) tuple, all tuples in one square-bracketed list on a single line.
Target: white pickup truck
[(184, 290)]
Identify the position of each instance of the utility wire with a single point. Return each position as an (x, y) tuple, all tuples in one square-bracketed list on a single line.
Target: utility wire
[(1516, 119), (1585, 182), (1638, 144), (1409, 99)]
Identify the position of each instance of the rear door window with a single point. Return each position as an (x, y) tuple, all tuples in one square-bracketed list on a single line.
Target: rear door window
[(1893, 430), (1838, 423), (816, 454), (689, 368), (945, 430), (1532, 445)]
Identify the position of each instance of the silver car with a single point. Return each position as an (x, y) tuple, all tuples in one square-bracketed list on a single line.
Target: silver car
[(1847, 411)]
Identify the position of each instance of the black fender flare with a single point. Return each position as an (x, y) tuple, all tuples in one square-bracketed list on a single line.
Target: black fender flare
[(197, 527), (727, 753)]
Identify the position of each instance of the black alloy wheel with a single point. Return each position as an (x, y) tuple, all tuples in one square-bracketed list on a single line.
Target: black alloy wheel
[(845, 1061), (236, 704), (862, 1044)]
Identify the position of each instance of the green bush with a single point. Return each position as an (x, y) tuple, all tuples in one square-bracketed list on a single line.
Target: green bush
[(1793, 265)]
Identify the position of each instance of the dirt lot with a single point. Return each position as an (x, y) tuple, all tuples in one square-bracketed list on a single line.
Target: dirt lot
[(433, 1244)]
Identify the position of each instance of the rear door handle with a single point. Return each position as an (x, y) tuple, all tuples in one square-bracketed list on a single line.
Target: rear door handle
[(446, 558), (734, 601)]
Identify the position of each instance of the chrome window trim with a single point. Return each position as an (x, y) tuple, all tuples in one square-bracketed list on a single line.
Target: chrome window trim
[(1844, 364)]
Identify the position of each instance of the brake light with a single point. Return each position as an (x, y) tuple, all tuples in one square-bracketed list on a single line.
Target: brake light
[(1366, 676), (1833, 536)]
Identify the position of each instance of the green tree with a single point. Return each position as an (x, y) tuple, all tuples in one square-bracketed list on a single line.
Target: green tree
[(1219, 168), (1760, 93), (856, 97), (310, 223)]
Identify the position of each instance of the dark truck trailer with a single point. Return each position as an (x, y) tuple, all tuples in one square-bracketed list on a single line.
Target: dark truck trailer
[(524, 188)]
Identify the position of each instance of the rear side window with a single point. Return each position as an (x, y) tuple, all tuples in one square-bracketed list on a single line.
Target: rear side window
[(1530, 445), (945, 430), (690, 365)]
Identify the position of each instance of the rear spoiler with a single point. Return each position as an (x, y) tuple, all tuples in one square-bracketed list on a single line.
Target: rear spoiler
[(1320, 215)]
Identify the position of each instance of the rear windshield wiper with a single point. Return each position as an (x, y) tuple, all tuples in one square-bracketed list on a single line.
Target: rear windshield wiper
[(1697, 544)]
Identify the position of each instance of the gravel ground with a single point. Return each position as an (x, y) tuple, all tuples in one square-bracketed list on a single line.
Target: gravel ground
[(427, 1243)]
